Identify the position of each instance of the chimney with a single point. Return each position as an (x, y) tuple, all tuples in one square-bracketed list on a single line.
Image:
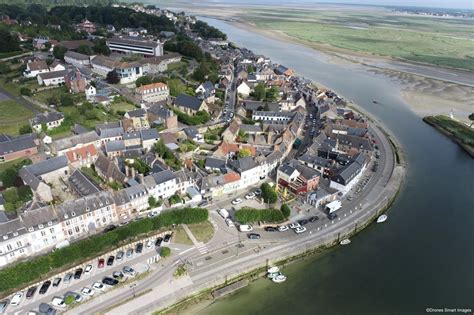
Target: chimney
[(141, 178), (133, 172)]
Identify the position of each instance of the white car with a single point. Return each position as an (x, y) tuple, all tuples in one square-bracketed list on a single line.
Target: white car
[(294, 225), (88, 269), (250, 196), (283, 228), (149, 244), (153, 213), (87, 291), (16, 299), (245, 228), (98, 286), (300, 229), (236, 201), (58, 302), (223, 213), (229, 223)]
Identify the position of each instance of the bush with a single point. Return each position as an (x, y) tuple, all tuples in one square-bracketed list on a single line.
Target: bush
[(25, 129), (249, 215), (286, 210), (201, 117), (35, 269), (68, 300), (25, 91), (66, 100), (269, 194), (165, 252)]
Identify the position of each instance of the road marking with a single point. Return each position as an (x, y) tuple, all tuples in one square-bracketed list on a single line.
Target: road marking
[(187, 250)]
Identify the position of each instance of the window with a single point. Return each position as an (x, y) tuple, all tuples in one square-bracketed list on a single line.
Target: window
[(51, 230), (77, 229), (43, 233), (19, 244), (9, 247)]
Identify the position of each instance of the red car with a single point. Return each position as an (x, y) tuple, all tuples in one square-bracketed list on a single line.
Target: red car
[(101, 263)]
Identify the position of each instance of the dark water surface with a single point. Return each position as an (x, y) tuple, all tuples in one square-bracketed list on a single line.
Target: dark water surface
[(422, 257)]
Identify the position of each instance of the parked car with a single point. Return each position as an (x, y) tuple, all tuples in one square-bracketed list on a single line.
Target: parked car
[(120, 255), (139, 248), (258, 192), (110, 281), (223, 213), (117, 275), (87, 291), (294, 225), (16, 299), (57, 281), (78, 273), (236, 201), (153, 213), (332, 216), (158, 241), (129, 252), (350, 197), (68, 277), (167, 238), (110, 260), (129, 271), (250, 196), (271, 229), (229, 223), (245, 228), (101, 263), (303, 222), (300, 229), (283, 228), (46, 309), (149, 244), (3, 306), (30, 292), (88, 269), (313, 219), (44, 287), (58, 302), (253, 236), (98, 286)]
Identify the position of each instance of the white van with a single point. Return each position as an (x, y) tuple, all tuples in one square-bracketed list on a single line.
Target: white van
[(223, 213), (16, 299), (245, 228)]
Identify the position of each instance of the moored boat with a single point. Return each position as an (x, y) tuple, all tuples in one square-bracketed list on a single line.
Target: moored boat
[(382, 218), (346, 241), (279, 279), (272, 275), (273, 269)]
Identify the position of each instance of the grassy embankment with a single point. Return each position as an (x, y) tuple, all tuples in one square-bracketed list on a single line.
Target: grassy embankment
[(13, 116), (441, 42), (458, 132)]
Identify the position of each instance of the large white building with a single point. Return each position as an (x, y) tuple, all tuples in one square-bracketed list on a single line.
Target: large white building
[(135, 45), (153, 92)]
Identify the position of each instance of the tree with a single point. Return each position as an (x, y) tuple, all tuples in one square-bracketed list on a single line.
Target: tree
[(165, 252), (250, 69), (25, 91), (100, 47), (152, 202), (269, 194), (259, 92), (8, 42), (59, 51), (143, 80), (68, 300), (25, 129), (286, 210), (66, 100), (272, 94), (243, 153), (243, 137), (8, 177), (113, 77), (85, 50)]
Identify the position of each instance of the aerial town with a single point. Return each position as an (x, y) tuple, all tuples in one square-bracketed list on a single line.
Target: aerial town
[(134, 122)]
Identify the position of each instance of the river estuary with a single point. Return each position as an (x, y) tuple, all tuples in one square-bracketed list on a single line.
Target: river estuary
[(422, 257)]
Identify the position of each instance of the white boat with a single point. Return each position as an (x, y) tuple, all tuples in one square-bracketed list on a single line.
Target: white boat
[(273, 269), (382, 218), (272, 275), (346, 242), (279, 279)]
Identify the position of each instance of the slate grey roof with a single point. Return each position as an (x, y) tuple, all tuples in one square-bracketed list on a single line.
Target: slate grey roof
[(20, 143), (349, 171), (77, 207), (208, 86), (47, 166), (137, 113), (251, 128), (160, 111), (113, 146), (280, 69), (137, 41), (52, 74), (111, 132), (109, 169), (75, 55), (46, 118), (191, 131), (131, 135), (43, 215), (305, 171), (11, 228), (69, 142), (109, 125), (149, 134), (215, 163), (121, 197), (243, 164), (355, 142), (136, 191), (313, 159), (187, 101), (163, 176), (287, 169), (81, 184), (79, 129)]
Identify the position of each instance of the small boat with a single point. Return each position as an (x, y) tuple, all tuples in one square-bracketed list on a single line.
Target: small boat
[(382, 218), (273, 269), (346, 242), (375, 102), (272, 275), (279, 279)]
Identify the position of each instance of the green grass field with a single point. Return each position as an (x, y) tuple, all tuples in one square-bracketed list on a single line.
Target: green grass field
[(443, 42), (456, 129), (13, 116)]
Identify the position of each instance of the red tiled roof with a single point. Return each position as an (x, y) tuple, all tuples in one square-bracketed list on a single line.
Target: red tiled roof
[(231, 177), (73, 155)]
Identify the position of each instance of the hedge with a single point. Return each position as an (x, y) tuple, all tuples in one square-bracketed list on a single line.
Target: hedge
[(250, 215), (43, 267)]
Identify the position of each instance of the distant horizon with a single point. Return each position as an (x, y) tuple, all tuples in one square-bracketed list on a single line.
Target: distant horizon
[(432, 4)]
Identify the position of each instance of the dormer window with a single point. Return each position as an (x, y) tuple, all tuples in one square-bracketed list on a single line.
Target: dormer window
[(40, 226), (66, 216), (5, 237), (15, 233), (31, 229), (88, 209), (50, 223)]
